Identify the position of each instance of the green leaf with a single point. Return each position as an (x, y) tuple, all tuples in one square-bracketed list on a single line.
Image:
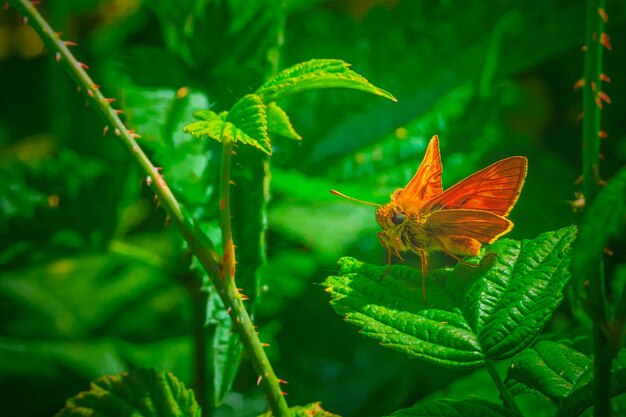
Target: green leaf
[(309, 410), (562, 372), (491, 311), (315, 74), (137, 393), (604, 220), (517, 296), (278, 122), (468, 407), (249, 115), (246, 122), (227, 350), (549, 369)]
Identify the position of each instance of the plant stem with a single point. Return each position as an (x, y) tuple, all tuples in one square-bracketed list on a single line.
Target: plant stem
[(506, 396), (592, 105), (198, 243), (233, 299)]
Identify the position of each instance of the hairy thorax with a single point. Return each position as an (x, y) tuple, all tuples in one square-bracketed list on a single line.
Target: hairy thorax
[(403, 229)]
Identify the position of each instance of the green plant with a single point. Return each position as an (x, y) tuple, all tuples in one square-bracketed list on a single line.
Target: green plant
[(79, 301)]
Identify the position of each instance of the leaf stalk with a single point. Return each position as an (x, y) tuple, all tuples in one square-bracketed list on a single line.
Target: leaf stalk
[(505, 395)]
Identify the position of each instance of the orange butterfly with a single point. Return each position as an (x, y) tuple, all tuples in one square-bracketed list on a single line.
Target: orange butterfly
[(423, 218)]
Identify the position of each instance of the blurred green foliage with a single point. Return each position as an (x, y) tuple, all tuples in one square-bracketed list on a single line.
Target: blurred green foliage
[(90, 273)]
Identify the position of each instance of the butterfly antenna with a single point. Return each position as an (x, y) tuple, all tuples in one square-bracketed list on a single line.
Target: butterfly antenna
[(354, 199)]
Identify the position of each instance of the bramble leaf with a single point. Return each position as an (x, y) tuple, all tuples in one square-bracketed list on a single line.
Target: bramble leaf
[(140, 392), (309, 410), (315, 74), (246, 122), (468, 407), (604, 219), (491, 311), (278, 122), (516, 297), (563, 373)]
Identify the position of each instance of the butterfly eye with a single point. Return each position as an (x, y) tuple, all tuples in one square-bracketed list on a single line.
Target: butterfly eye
[(397, 218)]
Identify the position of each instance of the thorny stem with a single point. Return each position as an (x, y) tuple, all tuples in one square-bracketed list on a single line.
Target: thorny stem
[(233, 299), (199, 244), (592, 105), (506, 396)]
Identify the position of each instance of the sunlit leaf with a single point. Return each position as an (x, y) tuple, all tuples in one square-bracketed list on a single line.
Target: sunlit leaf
[(141, 392), (278, 122), (246, 123), (474, 313), (315, 74)]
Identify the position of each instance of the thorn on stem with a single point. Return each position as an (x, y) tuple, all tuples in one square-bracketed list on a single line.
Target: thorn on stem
[(25, 20), (603, 15), (117, 132), (258, 380), (116, 111), (608, 252), (83, 65), (265, 344), (584, 48), (605, 78), (182, 92), (110, 100), (57, 57), (604, 97), (70, 43), (605, 40), (594, 87), (602, 134), (105, 130), (579, 180), (149, 181), (580, 83), (282, 381), (599, 102)]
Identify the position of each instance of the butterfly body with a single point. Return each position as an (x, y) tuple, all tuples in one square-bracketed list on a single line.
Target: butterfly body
[(423, 218)]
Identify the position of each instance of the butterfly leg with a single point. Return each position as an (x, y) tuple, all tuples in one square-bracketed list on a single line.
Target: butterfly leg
[(381, 238), (425, 266)]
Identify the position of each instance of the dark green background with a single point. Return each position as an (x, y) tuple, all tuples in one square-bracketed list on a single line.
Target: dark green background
[(92, 286)]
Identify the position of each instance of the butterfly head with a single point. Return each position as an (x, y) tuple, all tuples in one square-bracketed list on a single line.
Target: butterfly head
[(390, 216)]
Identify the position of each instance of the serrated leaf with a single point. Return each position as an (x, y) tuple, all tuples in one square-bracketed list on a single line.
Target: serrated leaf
[(246, 123), (604, 219), (315, 74), (309, 410), (137, 393), (517, 296), (548, 369), (468, 407), (278, 122), (249, 115), (227, 350), (489, 312), (563, 373)]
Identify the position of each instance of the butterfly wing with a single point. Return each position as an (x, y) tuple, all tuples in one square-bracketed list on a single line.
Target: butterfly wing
[(481, 225), (494, 189), (426, 183)]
